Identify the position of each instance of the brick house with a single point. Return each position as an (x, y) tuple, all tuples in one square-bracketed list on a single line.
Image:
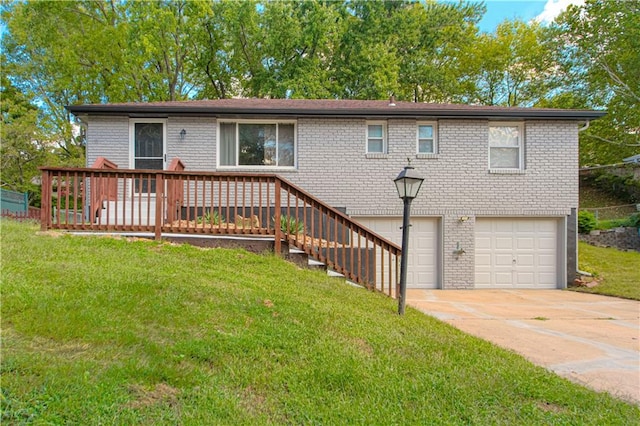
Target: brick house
[(497, 208)]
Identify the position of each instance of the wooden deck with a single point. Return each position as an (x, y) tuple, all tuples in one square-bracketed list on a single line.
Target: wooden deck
[(105, 198)]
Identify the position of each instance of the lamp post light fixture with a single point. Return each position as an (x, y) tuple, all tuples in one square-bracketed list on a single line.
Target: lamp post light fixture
[(408, 184), (183, 134)]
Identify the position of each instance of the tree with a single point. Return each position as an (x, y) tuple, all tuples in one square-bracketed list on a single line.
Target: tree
[(600, 42), (432, 46), (24, 147), (513, 67)]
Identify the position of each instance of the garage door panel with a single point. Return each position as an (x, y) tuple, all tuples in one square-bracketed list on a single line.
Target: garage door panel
[(423, 246), (483, 226), (547, 280), (503, 278), (504, 242), (503, 260), (483, 242), (502, 227), (525, 243), (522, 226), (524, 260), (548, 243), (546, 260), (549, 226), (519, 253), (483, 278), (525, 279)]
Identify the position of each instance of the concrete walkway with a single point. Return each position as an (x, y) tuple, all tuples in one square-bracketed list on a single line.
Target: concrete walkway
[(589, 339)]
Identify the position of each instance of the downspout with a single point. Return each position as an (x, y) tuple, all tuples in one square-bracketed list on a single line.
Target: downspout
[(571, 235)]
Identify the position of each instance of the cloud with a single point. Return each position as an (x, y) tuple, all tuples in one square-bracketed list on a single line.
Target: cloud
[(553, 8)]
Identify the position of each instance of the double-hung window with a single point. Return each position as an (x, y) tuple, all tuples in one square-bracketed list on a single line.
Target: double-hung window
[(427, 138), (376, 138), (506, 146), (265, 144)]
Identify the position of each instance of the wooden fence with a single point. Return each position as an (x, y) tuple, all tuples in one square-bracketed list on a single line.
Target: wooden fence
[(32, 214)]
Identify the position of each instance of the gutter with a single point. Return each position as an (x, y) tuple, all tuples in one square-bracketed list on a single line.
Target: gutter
[(134, 110)]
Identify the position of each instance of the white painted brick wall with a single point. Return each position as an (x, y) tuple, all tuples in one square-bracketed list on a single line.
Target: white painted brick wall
[(198, 149), (333, 165), (108, 137)]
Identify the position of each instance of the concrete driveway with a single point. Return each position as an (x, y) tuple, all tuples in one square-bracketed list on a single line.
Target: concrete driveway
[(589, 339)]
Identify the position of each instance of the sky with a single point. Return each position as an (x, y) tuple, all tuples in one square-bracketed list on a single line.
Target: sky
[(543, 11)]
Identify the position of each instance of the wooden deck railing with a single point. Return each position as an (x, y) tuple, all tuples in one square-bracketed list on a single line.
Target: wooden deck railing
[(177, 201), (103, 189)]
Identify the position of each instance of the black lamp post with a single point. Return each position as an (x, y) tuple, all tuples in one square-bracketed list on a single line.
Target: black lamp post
[(408, 184)]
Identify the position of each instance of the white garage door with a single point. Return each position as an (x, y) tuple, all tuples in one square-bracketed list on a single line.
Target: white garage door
[(516, 253), (422, 270)]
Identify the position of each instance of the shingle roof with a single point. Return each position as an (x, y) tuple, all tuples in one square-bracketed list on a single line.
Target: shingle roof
[(328, 108)]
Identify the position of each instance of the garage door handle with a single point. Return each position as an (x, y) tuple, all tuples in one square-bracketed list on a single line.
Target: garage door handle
[(514, 261)]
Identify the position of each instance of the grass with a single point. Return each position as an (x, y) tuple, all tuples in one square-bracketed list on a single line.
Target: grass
[(619, 270), (111, 331)]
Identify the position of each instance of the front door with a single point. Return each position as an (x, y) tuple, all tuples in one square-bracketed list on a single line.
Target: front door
[(148, 152)]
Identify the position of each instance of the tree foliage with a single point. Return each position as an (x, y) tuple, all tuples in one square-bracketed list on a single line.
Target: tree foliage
[(24, 146), (599, 43), (95, 51), (512, 67)]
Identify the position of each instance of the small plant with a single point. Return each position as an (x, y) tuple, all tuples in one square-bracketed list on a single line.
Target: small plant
[(634, 220), (291, 225), (210, 218), (586, 222)]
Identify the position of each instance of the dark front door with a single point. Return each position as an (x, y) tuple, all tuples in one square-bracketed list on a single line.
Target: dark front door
[(148, 152)]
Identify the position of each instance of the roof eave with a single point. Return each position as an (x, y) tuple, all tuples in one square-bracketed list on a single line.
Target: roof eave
[(133, 110)]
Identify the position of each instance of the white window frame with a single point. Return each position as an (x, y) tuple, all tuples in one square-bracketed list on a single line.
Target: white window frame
[(520, 147), (384, 137), (434, 125), (255, 166)]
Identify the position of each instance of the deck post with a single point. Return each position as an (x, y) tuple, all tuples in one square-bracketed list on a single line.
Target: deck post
[(45, 206), (276, 219), (159, 203)]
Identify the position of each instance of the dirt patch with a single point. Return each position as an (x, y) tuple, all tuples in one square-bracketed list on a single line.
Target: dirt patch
[(307, 241), (53, 234), (160, 394), (364, 346), (192, 224), (550, 407), (588, 282), (253, 401)]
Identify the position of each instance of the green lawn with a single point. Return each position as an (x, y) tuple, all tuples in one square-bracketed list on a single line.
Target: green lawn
[(109, 331), (618, 270)]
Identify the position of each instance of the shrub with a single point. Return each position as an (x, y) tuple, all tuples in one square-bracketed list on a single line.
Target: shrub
[(634, 220), (586, 222), (291, 225), (208, 217), (624, 185)]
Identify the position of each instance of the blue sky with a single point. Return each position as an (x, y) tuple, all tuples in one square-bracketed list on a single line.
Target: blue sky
[(543, 10), (498, 11)]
